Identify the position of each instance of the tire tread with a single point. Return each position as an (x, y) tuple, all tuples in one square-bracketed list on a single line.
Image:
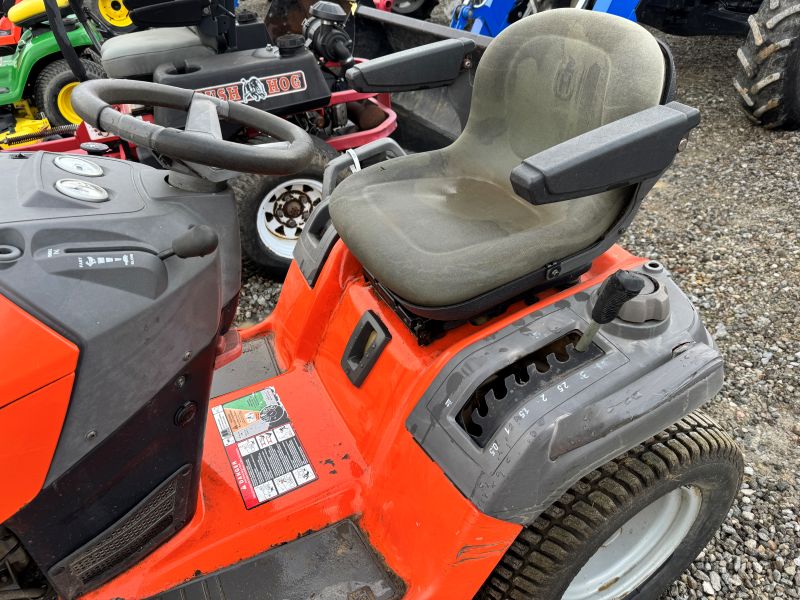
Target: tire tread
[(767, 81), (542, 549)]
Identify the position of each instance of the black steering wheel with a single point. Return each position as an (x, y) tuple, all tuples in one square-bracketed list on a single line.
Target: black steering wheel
[(93, 101)]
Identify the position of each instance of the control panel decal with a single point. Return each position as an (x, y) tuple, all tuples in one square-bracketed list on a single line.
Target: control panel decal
[(266, 456)]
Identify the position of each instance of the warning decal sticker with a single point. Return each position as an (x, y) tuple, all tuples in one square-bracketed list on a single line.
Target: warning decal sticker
[(265, 453)]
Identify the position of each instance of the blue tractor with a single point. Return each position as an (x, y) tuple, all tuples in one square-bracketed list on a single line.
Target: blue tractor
[(767, 81)]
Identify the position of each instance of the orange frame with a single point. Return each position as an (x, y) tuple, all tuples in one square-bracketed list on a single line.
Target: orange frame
[(368, 466)]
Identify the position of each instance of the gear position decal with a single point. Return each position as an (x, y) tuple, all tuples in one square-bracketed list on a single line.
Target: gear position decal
[(265, 453)]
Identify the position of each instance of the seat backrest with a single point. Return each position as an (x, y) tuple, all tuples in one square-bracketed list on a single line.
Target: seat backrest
[(554, 76)]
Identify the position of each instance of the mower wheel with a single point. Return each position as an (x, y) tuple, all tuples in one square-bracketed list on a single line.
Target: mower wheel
[(768, 75), (274, 209), (418, 9), (629, 528), (53, 88), (112, 14)]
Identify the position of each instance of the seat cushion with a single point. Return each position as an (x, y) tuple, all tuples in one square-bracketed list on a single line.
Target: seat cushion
[(447, 237), (136, 55), (443, 227)]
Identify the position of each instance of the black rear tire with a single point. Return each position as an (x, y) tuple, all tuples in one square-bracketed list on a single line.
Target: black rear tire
[(548, 555), (251, 191), (418, 9), (52, 80), (768, 75)]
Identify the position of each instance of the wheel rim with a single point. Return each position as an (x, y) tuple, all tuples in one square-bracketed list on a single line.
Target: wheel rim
[(114, 13), (64, 103), (407, 6), (283, 213), (637, 549)]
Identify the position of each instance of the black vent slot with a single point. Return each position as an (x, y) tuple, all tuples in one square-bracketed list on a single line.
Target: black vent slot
[(141, 530), (489, 407)]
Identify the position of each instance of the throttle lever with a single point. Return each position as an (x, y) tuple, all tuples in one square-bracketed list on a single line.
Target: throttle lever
[(198, 241), (614, 293)]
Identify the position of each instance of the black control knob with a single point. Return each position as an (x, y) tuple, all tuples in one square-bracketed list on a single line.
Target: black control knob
[(613, 294), (199, 240), (615, 291), (95, 148)]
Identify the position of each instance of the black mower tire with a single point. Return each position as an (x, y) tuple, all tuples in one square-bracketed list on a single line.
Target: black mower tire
[(767, 80), (51, 80), (421, 12), (94, 8), (548, 554), (250, 190)]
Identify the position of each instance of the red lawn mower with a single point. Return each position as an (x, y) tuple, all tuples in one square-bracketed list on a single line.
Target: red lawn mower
[(465, 390), (299, 77)]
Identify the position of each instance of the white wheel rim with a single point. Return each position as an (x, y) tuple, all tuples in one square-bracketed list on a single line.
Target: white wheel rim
[(637, 549), (283, 213)]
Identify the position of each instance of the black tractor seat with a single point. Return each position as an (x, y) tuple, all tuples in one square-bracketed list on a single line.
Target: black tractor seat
[(136, 55), (449, 234)]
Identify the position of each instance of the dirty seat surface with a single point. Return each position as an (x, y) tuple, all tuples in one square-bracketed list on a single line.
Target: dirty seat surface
[(442, 227)]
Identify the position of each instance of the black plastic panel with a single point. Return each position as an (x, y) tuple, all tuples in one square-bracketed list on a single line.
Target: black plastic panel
[(334, 563), (151, 522), (556, 426), (83, 508), (261, 78)]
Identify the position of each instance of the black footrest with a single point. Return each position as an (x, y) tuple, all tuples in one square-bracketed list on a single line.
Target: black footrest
[(335, 562)]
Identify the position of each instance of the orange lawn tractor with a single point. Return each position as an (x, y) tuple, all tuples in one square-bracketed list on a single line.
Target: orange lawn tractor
[(467, 389)]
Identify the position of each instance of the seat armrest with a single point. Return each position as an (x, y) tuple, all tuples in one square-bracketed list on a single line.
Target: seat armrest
[(628, 151), (429, 66), (373, 152)]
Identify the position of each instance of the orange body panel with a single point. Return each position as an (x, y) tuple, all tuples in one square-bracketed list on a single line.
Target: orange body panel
[(32, 354), (367, 463), (38, 372), (30, 427)]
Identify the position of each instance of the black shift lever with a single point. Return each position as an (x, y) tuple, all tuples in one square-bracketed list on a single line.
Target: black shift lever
[(198, 241), (614, 292)]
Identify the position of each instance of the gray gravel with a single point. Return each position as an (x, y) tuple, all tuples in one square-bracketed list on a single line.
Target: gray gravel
[(725, 220)]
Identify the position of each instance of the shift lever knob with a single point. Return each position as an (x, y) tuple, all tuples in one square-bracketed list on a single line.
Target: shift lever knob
[(614, 292)]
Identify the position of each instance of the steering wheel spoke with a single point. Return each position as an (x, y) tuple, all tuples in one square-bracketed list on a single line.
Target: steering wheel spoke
[(200, 146)]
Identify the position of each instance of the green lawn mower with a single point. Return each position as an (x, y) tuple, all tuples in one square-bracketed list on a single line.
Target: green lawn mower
[(54, 53)]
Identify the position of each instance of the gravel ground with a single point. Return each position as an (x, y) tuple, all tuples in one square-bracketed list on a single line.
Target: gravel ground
[(725, 220)]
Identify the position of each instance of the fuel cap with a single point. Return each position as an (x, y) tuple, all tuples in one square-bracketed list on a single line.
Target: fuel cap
[(78, 189), (77, 166), (95, 148), (291, 43)]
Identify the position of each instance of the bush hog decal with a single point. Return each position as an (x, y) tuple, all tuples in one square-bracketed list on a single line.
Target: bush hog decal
[(255, 89), (265, 453)]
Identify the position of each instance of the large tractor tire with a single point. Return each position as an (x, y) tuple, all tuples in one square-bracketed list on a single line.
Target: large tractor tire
[(768, 78), (274, 209), (112, 14), (52, 90), (629, 528), (419, 9)]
